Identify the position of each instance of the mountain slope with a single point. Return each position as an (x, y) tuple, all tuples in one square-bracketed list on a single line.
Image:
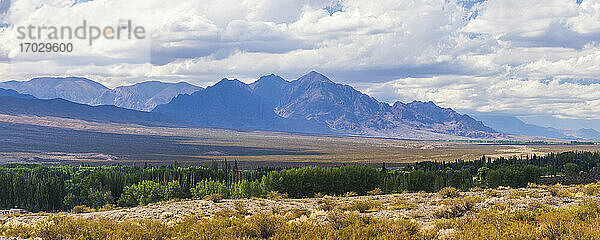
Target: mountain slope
[(66, 109), (13, 93), (271, 89), (141, 96), (427, 115), (231, 104), (341, 107)]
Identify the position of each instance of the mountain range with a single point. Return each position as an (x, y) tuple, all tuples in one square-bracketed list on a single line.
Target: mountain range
[(24, 105), (142, 96), (513, 125), (310, 104), (316, 103)]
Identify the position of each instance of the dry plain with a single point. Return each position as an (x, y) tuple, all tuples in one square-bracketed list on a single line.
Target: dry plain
[(54, 140)]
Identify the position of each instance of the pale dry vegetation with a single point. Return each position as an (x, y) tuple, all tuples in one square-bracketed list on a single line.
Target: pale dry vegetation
[(535, 212)]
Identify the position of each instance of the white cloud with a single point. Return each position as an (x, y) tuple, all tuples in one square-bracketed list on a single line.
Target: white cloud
[(499, 55), (501, 94)]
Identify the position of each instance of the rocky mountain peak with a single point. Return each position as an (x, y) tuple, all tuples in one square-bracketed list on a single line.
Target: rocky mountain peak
[(313, 77)]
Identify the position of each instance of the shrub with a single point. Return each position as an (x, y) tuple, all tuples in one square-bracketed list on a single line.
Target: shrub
[(108, 207), (492, 192), (240, 209), (402, 204), (262, 226), (274, 195), (362, 206), (298, 212), (456, 207), (592, 189), (82, 209), (558, 191), (326, 204), (517, 194), (449, 192), (217, 197), (375, 191), (578, 222), (350, 194)]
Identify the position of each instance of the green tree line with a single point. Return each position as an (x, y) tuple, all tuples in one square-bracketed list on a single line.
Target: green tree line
[(56, 188)]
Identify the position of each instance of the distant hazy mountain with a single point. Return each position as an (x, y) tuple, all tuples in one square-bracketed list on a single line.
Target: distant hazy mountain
[(13, 93), (80, 90), (584, 133), (513, 125), (142, 96), (272, 103), (66, 109)]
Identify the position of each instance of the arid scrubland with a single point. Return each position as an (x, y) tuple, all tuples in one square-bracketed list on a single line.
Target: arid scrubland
[(535, 212)]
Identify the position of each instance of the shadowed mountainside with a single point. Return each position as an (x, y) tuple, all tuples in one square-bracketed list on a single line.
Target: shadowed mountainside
[(13, 93), (66, 109)]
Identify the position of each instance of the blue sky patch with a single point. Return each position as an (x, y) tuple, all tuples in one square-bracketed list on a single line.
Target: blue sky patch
[(335, 6)]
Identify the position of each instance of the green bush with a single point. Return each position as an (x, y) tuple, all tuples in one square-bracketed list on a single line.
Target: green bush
[(149, 192), (210, 187), (246, 189), (570, 169), (516, 176)]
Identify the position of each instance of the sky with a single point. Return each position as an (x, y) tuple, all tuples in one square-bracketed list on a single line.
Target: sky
[(535, 59)]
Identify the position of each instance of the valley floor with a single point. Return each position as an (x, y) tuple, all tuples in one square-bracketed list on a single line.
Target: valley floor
[(79, 142)]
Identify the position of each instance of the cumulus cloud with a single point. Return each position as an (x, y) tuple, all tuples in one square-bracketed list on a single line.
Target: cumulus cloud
[(498, 94), (522, 57)]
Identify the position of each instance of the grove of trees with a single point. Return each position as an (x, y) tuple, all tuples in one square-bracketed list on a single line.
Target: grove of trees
[(56, 188)]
